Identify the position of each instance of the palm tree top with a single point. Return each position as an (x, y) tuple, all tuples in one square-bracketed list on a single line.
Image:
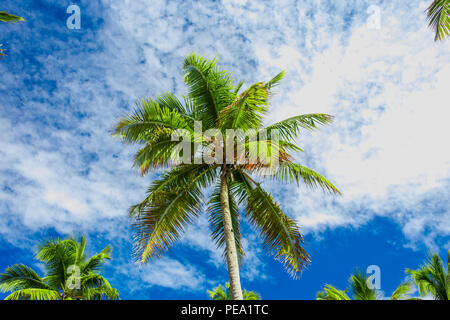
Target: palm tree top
[(360, 290), (432, 278), (219, 293), (217, 103), (60, 258)]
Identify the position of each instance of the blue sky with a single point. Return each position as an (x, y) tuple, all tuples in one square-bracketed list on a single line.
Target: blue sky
[(62, 173)]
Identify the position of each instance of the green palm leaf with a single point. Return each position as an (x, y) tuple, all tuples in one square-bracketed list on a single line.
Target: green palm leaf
[(219, 293), (438, 15), (402, 291), (19, 277), (210, 88), (360, 288), (7, 17), (431, 278), (331, 293), (167, 210), (281, 235), (289, 171), (153, 117), (58, 256), (290, 128), (34, 294)]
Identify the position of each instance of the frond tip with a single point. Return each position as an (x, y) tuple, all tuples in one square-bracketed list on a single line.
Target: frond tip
[(281, 235), (7, 17), (438, 16)]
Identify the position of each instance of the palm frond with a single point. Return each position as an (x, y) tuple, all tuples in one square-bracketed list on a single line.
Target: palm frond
[(281, 235), (275, 80), (160, 224), (360, 288), (402, 291), (167, 210), (210, 88), (162, 152), (289, 129), (58, 256), (96, 287), (331, 293), (96, 262), (219, 293), (181, 175), (34, 294), (151, 117), (100, 293), (20, 276), (293, 172), (247, 111), (7, 17), (438, 15), (431, 278), (81, 246), (251, 295)]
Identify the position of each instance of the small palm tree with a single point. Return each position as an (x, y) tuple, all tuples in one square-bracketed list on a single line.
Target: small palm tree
[(70, 274), (432, 279), (219, 293), (175, 199), (438, 15), (360, 290)]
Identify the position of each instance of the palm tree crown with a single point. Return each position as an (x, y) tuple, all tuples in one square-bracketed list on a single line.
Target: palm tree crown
[(432, 279), (70, 274), (361, 290), (175, 199), (219, 293)]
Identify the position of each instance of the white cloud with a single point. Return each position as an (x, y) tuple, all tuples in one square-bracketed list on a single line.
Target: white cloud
[(164, 272)]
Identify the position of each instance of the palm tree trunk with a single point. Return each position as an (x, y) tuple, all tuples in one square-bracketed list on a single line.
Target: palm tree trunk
[(231, 252)]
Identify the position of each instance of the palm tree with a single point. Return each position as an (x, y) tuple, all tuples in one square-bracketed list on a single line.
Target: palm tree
[(432, 279), (360, 290), (61, 258), (219, 293), (176, 198), (7, 17), (438, 15)]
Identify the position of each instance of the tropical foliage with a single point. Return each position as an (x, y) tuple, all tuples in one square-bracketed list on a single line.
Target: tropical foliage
[(360, 290), (7, 17), (62, 260), (220, 293), (175, 199), (432, 279), (438, 15)]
